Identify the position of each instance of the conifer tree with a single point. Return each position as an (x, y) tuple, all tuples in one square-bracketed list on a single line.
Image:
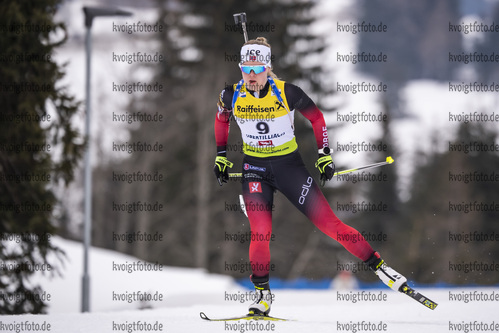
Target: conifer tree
[(39, 148), (451, 198)]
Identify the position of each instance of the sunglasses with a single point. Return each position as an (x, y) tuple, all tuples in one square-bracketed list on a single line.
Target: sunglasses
[(257, 69)]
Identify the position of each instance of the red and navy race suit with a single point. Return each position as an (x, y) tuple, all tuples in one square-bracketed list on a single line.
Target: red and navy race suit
[(270, 164)]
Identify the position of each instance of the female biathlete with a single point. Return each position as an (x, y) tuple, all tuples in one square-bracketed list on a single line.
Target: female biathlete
[(264, 108)]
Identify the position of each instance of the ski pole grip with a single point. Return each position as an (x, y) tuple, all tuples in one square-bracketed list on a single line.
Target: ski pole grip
[(239, 18)]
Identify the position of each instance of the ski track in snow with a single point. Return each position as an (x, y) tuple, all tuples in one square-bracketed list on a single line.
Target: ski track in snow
[(320, 311)]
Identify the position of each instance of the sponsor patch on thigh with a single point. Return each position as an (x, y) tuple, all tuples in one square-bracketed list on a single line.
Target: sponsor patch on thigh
[(254, 168)]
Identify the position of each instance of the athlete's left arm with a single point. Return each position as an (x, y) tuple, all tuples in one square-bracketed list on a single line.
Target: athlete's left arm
[(299, 100)]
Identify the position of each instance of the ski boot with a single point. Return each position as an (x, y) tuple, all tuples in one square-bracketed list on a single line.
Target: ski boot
[(388, 275), (263, 296)]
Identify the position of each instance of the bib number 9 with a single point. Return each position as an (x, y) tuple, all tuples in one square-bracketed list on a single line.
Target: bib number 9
[(263, 128)]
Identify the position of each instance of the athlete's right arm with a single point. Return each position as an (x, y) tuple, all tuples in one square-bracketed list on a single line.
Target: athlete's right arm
[(222, 126), (222, 120)]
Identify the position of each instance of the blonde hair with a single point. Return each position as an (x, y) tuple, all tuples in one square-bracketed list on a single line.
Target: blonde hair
[(262, 41)]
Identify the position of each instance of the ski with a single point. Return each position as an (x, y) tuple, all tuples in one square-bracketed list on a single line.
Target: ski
[(245, 317), (405, 289)]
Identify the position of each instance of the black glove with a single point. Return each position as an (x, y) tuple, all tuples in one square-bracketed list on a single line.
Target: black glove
[(221, 170), (326, 167)]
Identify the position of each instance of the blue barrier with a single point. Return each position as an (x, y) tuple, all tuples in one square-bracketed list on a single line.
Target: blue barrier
[(304, 283)]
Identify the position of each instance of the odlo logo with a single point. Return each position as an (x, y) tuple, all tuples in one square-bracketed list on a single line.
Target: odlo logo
[(305, 188)]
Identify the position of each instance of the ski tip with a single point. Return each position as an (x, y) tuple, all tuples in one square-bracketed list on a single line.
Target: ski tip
[(430, 304), (203, 316), (390, 160), (405, 289)]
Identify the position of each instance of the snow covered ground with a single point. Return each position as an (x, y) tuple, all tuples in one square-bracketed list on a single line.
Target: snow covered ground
[(187, 292)]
